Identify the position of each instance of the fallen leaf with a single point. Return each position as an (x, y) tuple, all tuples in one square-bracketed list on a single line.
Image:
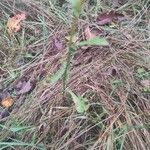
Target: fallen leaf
[(88, 33), (105, 18), (25, 87), (109, 17), (14, 23), (7, 102)]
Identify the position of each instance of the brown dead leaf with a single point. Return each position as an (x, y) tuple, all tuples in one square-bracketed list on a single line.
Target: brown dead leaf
[(105, 18), (109, 17), (14, 23), (24, 87), (7, 102), (88, 34)]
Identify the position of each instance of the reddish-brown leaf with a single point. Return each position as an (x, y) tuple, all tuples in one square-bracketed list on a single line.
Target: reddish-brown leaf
[(88, 34), (105, 18), (14, 23), (109, 17)]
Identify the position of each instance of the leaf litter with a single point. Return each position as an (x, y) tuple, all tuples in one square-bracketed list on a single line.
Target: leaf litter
[(24, 87), (88, 33), (109, 17), (79, 78), (14, 23), (57, 42), (7, 102)]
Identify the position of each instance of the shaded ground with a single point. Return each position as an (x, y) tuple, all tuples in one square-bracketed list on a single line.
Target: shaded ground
[(115, 79)]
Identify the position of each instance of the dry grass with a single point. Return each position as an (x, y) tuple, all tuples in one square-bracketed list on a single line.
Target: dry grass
[(109, 77)]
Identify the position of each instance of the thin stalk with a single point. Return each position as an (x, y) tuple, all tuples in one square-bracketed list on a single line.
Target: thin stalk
[(72, 32), (76, 5)]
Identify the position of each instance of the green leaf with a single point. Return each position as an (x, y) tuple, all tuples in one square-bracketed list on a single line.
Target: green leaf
[(58, 74), (142, 73), (80, 102), (95, 41)]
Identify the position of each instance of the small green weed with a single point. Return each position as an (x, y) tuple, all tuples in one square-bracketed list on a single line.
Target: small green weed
[(142, 74)]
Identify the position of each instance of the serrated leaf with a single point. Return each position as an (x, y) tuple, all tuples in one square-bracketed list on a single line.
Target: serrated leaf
[(80, 103), (58, 74), (94, 41)]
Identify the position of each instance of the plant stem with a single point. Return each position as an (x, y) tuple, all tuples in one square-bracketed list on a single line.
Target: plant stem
[(76, 13), (70, 44)]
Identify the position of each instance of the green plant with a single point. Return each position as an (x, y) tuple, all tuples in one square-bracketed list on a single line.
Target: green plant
[(16, 130), (76, 7), (79, 101), (115, 84), (142, 74)]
